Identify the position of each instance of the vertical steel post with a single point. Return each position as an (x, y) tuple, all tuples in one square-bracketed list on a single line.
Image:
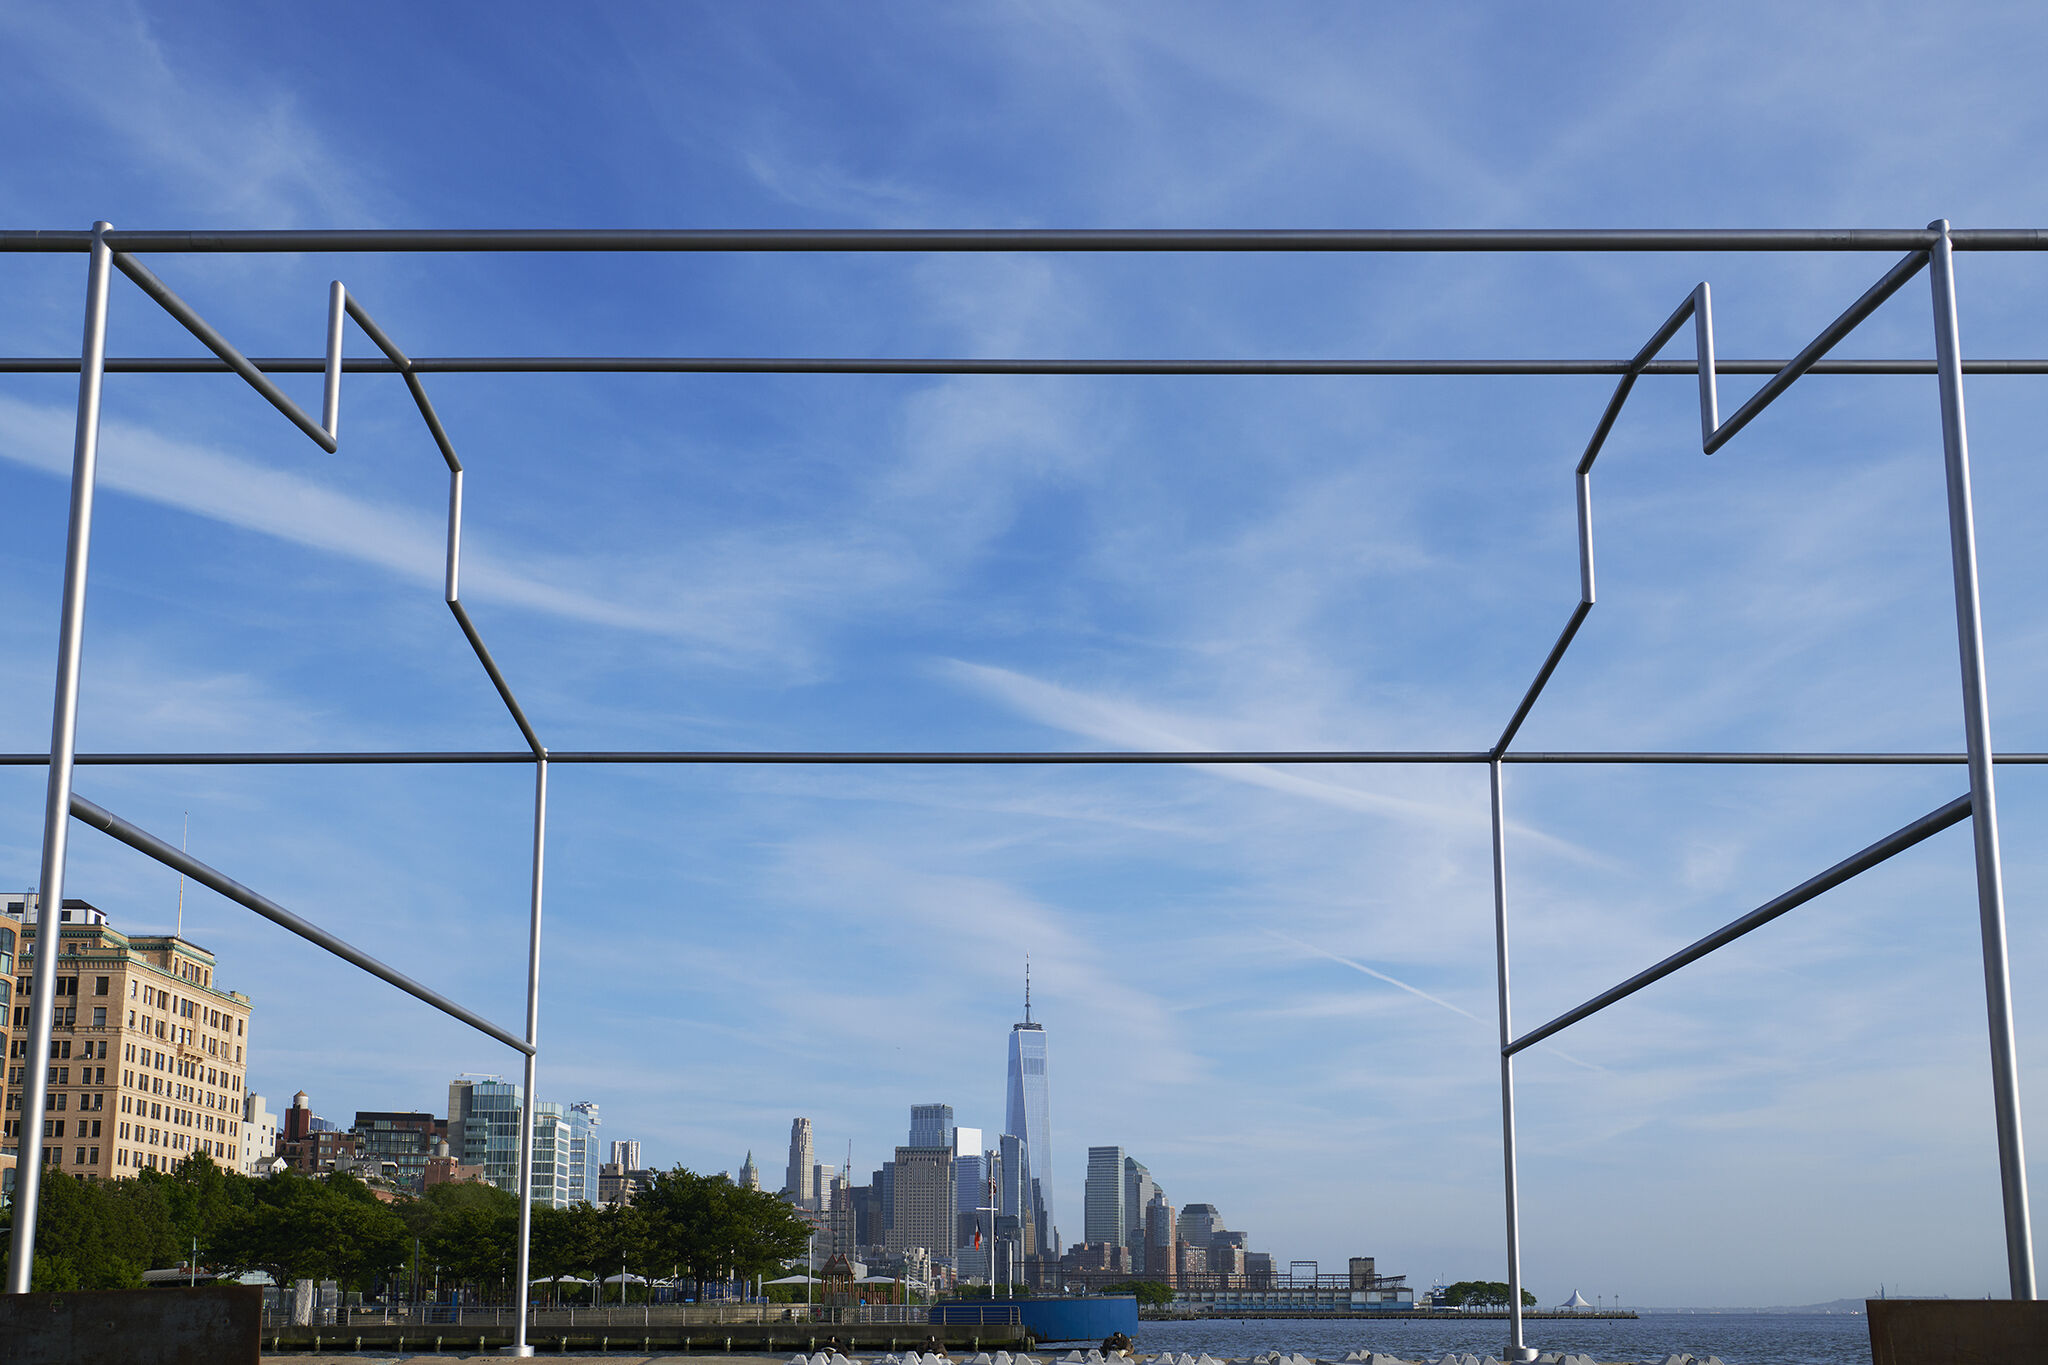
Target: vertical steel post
[(520, 1346), (1516, 1350), (85, 451), (2005, 1089)]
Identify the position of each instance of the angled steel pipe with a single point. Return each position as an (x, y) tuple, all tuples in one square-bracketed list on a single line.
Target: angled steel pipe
[(326, 437), (1892, 844), (171, 856), (1715, 434)]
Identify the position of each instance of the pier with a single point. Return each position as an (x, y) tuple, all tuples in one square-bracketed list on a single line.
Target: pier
[(1371, 1314), (489, 1334)]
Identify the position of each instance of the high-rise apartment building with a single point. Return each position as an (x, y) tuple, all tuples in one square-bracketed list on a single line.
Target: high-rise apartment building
[(931, 1125), (797, 1184), (1102, 1212), (1028, 1115), (484, 1117), (1199, 1224), (1162, 1261), (483, 1127), (626, 1155), (1137, 1196), (924, 1201), (1014, 1223), (566, 1168), (587, 1159), (970, 1170), (970, 1192), (147, 1055), (819, 1191)]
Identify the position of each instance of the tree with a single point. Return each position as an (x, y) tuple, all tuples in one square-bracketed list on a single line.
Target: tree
[(300, 1228), (104, 1234), (561, 1241), (716, 1230), (470, 1231), (1482, 1294), (615, 1239), (1149, 1293)]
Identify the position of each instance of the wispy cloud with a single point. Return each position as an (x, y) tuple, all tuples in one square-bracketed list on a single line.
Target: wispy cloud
[(734, 600), (1130, 725), (1375, 974), (1355, 965), (242, 146)]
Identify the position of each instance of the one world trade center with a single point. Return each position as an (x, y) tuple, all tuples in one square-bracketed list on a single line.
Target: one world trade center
[(1030, 1118)]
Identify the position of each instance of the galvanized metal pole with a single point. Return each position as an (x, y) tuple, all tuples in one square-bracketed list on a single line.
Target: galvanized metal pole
[(85, 448), (2005, 1081), (520, 1346), (1516, 1350)]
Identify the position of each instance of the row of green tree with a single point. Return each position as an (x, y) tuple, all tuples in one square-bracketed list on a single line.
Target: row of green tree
[(1482, 1294), (104, 1234)]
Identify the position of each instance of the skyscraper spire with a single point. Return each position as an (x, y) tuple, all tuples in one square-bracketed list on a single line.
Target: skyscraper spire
[(1027, 988)]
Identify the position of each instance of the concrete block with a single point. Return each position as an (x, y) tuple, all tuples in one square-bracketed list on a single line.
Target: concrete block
[(216, 1325), (1957, 1331)]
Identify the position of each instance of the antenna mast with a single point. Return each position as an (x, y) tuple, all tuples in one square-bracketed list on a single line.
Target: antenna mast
[(1027, 977)]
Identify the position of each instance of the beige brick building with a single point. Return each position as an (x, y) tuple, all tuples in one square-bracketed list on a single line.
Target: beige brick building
[(147, 1055)]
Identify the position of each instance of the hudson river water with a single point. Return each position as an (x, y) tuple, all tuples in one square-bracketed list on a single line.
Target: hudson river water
[(1738, 1338)]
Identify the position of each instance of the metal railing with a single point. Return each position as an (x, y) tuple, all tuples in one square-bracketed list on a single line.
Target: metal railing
[(574, 1317)]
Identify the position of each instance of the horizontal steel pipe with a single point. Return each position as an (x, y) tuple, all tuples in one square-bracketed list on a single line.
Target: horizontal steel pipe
[(142, 841), (257, 758), (1032, 239), (1761, 758), (912, 365), (1892, 844)]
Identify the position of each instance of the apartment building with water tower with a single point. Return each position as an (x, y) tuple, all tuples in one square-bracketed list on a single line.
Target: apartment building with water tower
[(148, 1055)]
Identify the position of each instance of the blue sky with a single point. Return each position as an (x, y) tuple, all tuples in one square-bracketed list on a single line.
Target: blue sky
[(758, 562)]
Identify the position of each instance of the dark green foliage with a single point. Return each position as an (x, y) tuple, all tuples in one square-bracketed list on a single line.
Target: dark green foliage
[(714, 1230), (1150, 1293), (296, 1228), (470, 1231), (104, 1234), (1482, 1294)]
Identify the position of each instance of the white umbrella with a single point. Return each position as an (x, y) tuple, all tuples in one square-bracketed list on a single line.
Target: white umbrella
[(562, 1279), (1577, 1300), (620, 1279)]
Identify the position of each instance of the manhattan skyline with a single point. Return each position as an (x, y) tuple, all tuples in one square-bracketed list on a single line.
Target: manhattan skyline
[(1276, 983)]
